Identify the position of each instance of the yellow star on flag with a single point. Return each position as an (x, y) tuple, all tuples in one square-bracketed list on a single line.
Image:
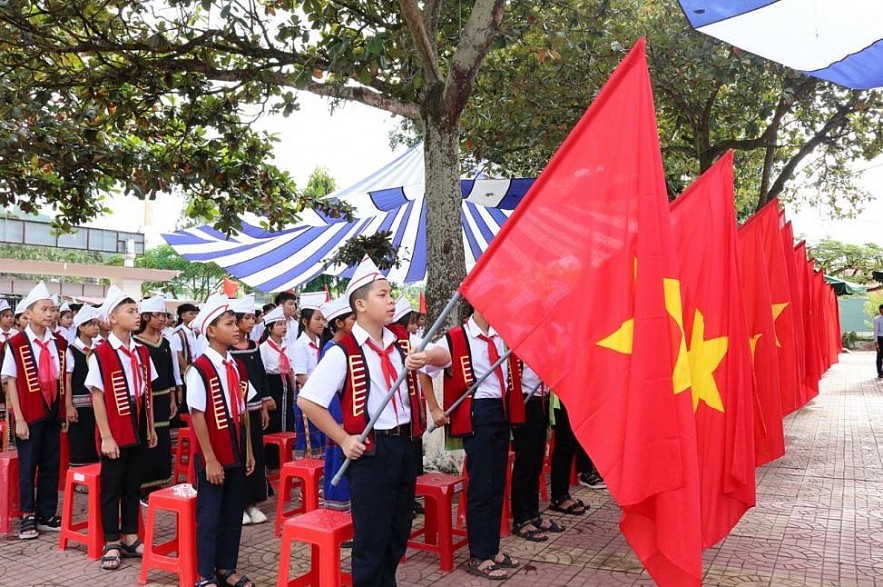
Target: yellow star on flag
[(622, 339), (777, 311), (705, 357), (753, 342)]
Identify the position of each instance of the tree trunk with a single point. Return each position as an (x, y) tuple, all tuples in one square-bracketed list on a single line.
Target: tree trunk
[(446, 265)]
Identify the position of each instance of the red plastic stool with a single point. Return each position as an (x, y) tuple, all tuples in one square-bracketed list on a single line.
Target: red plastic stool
[(284, 441), (9, 502), (546, 469), (3, 434), (438, 533), (186, 421), (185, 465), (325, 530), (181, 500), (307, 472), (505, 524), (64, 459), (90, 477)]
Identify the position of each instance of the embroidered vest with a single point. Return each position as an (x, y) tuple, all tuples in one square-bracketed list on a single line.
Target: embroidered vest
[(185, 346), (403, 337), (356, 386), (461, 377), (120, 406), (33, 405), (229, 450), (81, 397)]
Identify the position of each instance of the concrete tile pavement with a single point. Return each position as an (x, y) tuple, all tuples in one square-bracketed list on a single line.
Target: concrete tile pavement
[(818, 520)]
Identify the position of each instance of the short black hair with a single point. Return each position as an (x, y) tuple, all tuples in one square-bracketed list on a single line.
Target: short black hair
[(186, 308), (76, 307), (268, 307), (332, 324), (360, 293), (283, 296)]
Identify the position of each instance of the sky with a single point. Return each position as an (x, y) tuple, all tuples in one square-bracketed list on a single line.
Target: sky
[(353, 141)]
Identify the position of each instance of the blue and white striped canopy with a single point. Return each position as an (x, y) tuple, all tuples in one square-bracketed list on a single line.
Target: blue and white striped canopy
[(391, 198), (836, 40)]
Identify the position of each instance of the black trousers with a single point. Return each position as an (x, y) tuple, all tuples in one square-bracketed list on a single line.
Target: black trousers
[(39, 451), (487, 456), (529, 442), (383, 487), (218, 520), (121, 492), (562, 457), (880, 355)]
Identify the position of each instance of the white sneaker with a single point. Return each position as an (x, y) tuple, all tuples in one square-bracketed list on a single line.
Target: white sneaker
[(256, 515), (246, 520)]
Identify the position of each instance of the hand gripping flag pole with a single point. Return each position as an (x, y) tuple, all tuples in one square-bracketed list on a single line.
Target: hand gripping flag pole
[(472, 389), (399, 380)]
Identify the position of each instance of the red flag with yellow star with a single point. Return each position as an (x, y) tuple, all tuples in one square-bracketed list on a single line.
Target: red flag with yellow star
[(786, 321), (722, 380), (809, 383), (795, 279), (769, 437), (581, 282)]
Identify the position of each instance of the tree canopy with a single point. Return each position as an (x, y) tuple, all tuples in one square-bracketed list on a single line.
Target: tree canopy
[(710, 97), (847, 261)]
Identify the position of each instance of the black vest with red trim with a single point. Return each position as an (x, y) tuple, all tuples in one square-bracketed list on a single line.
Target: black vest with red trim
[(229, 450), (460, 377), (357, 385), (30, 397), (120, 406)]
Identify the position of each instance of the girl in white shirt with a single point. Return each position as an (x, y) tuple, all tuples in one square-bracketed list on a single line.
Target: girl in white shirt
[(306, 352), (277, 361)]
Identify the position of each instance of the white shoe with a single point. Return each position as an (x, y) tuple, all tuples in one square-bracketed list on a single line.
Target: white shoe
[(246, 520), (256, 515)]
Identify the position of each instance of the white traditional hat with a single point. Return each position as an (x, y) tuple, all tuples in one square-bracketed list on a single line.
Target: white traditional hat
[(243, 305), (4, 305), (85, 314), (312, 300), (274, 315), (213, 307), (35, 295), (336, 308), (365, 273), (54, 299), (113, 299), (20, 308), (65, 307), (403, 308), (155, 303)]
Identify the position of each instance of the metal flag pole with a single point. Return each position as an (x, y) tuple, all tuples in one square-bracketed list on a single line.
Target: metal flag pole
[(472, 389), (399, 380), (532, 392)]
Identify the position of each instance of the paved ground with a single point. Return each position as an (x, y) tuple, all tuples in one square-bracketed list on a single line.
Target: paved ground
[(818, 520)]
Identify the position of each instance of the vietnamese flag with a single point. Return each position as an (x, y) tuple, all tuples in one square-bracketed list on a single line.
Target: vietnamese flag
[(769, 437), (581, 282), (810, 381), (783, 313), (795, 279), (703, 222), (230, 288)]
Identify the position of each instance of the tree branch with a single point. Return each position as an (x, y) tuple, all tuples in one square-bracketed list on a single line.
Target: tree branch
[(475, 41), (837, 119), (425, 47)]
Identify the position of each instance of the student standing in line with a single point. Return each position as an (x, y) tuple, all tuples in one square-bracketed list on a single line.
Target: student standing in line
[(277, 359), (80, 413), (305, 355), (120, 377), (217, 392), (34, 367)]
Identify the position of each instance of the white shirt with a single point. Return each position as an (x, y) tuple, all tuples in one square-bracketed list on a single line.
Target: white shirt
[(5, 336), (257, 332), (94, 380), (530, 380), (331, 372), (490, 387), (270, 356), (178, 346), (10, 369), (305, 356), (196, 389), (878, 326), (291, 334)]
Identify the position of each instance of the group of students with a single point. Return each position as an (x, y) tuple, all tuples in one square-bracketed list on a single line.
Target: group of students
[(321, 370)]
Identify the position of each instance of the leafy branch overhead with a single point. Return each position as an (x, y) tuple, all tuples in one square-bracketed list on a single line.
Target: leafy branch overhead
[(378, 246)]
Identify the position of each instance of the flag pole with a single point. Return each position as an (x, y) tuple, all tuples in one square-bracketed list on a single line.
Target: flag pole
[(471, 390), (532, 392), (399, 380)]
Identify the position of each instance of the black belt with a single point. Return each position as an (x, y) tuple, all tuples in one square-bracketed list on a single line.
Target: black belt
[(402, 430)]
